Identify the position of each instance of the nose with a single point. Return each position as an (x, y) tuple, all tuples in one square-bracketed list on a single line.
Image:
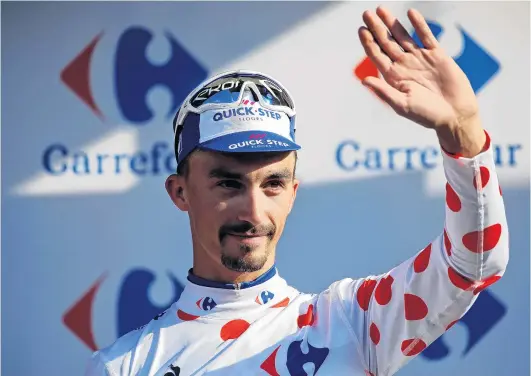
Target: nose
[(253, 206)]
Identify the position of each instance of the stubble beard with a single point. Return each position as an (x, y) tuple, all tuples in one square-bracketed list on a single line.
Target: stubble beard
[(245, 263)]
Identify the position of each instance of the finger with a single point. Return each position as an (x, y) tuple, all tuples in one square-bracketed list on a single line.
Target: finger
[(397, 30), (386, 92), (423, 30), (382, 36), (373, 50)]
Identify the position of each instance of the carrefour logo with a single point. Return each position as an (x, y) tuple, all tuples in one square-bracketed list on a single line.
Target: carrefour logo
[(134, 75), (125, 98), (354, 157), (478, 64), (132, 306)]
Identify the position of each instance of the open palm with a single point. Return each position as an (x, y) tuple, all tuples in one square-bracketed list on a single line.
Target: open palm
[(422, 84)]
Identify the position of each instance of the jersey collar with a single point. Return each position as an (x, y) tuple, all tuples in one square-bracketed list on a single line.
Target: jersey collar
[(202, 299), (232, 286)]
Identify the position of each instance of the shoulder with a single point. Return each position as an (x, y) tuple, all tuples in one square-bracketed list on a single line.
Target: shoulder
[(134, 344)]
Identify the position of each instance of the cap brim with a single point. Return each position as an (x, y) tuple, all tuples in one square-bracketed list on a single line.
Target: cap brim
[(250, 141)]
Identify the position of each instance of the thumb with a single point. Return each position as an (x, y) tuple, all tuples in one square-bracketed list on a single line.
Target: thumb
[(385, 92)]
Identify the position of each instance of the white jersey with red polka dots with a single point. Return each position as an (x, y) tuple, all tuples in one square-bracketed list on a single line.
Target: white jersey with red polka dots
[(369, 326)]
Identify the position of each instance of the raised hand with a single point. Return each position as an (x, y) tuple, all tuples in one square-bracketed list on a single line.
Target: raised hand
[(422, 84)]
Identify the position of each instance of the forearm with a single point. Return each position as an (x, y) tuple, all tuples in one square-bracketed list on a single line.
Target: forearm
[(476, 233)]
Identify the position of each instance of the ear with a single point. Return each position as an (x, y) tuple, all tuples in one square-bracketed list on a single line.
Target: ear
[(176, 188), (294, 196)]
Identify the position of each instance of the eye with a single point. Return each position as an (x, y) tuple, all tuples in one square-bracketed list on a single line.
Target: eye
[(275, 184), (229, 184)]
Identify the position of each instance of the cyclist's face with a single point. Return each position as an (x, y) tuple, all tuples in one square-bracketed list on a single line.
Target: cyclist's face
[(238, 206)]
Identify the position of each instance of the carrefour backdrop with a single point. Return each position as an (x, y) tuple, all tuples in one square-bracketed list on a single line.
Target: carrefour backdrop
[(93, 247)]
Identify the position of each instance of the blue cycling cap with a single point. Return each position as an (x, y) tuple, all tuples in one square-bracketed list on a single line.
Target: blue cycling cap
[(236, 111)]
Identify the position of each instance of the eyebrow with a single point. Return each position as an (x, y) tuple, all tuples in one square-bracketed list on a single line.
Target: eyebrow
[(283, 174), (223, 173)]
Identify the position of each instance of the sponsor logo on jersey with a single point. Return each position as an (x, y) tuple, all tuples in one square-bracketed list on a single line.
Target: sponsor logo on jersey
[(264, 297)]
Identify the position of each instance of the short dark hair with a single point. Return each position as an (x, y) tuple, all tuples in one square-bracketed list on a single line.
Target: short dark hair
[(183, 168)]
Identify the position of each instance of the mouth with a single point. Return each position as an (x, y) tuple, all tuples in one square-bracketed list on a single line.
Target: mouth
[(254, 239), (245, 236)]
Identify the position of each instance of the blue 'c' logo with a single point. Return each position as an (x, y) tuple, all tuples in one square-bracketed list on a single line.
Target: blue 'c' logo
[(134, 75)]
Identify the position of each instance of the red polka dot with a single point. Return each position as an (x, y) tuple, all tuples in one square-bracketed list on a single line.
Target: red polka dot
[(487, 142), (484, 175), (415, 307), (499, 188), (491, 236), (364, 293), (269, 364), (422, 260), (418, 346), (452, 199), (374, 333), (458, 280), (447, 243), (186, 316), (233, 329), (307, 318), (282, 303), (384, 291), (451, 324), (486, 283), (368, 373)]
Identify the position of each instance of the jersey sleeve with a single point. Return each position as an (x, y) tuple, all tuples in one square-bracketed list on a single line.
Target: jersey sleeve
[(96, 366), (395, 316)]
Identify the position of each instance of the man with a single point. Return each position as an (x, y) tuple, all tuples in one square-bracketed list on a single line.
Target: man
[(236, 153)]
